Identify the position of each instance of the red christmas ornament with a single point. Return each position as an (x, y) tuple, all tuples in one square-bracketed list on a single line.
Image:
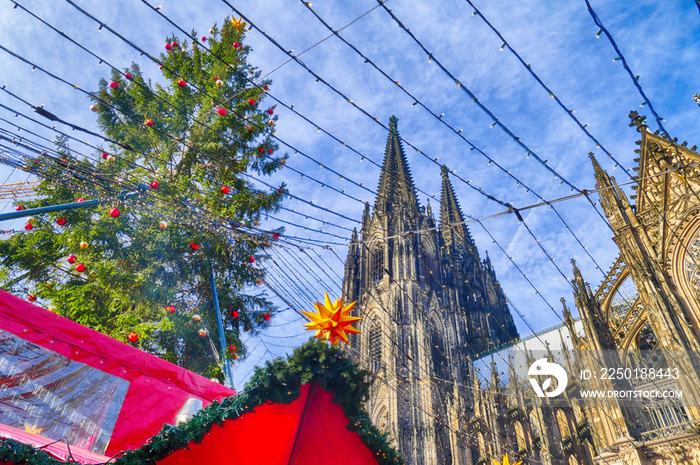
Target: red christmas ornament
[(202, 333), (28, 226), (194, 246), (114, 212), (80, 200), (128, 76), (271, 111), (204, 39), (266, 317), (61, 221), (154, 184), (284, 162), (170, 309), (105, 156), (270, 150), (225, 189), (251, 259), (19, 208), (261, 150), (174, 44), (31, 298), (132, 336), (258, 282), (251, 102), (168, 47), (181, 83), (275, 236), (114, 85), (232, 349), (248, 128), (161, 67), (71, 259), (265, 86), (234, 314), (236, 45), (221, 111), (281, 189), (148, 122), (235, 357), (79, 267)]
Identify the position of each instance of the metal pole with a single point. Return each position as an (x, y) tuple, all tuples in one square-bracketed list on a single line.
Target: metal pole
[(55, 208), (228, 374)]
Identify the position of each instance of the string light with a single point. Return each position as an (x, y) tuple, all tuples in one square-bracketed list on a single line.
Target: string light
[(621, 57), (471, 95)]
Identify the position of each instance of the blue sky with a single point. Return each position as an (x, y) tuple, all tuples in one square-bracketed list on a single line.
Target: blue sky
[(557, 39)]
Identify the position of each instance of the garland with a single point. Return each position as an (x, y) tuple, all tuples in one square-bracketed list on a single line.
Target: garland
[(279, 382)]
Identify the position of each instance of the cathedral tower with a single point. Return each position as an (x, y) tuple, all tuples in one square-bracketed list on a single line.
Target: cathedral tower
[(429, 304)]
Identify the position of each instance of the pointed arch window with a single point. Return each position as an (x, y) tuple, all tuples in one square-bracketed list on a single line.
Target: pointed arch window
[(377, 265), (375, 348), (441, 368)]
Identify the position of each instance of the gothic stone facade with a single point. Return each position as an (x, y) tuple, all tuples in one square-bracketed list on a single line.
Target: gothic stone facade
[(429, 303), (659, 241)]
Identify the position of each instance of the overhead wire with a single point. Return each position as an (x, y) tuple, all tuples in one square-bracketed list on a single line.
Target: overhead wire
[(459, 84), (457, 132), (528, 68), (620, 57)]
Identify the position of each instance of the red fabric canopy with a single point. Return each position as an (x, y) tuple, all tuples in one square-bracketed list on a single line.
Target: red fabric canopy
[(309, 430)]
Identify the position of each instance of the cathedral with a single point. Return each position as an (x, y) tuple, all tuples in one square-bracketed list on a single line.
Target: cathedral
[(430, 304)]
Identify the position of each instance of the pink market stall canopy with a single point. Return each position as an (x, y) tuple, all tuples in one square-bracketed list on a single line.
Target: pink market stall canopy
[(59, 379)]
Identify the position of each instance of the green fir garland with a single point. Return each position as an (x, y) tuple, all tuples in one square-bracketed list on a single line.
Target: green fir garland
[(279, 382)]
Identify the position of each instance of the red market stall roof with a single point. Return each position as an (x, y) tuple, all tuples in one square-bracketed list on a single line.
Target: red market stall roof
[(305, 409), (309, 430), (50, 363)]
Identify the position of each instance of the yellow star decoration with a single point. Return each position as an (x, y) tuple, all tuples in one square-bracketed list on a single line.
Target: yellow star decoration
[(238, 23), (33, 429), (506, 461), (333, 320)]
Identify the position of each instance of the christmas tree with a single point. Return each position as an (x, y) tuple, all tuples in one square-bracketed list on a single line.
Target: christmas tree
[(181, 206)]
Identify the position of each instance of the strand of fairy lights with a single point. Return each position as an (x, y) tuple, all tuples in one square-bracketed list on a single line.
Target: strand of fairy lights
[(528, 68), (229, 108), (620, 57), (132, 188), (480, 190), (496, 121), (567, 228), (362, 110), (89, 145), (435, 161), (458, 132)]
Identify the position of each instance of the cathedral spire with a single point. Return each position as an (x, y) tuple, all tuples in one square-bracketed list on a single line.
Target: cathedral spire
[(454, 230), (395, 184), (613, 200), (602, 179)]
